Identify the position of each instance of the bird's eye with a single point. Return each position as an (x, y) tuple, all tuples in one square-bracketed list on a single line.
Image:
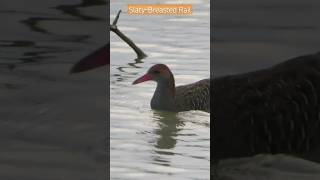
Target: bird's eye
[(156, 72)]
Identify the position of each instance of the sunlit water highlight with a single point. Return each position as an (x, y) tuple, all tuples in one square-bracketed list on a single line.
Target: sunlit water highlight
[(148, 144)]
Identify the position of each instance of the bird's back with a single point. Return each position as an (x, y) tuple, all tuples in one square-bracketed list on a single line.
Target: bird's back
[(276, 110), (195, 96)]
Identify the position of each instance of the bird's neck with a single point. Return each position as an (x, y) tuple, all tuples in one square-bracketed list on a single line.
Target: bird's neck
[(164, 95)]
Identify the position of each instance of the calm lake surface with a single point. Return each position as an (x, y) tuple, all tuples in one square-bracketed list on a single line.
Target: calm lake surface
[(148, 144)]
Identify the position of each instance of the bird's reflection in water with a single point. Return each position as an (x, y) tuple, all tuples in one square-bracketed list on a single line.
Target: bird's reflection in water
[(169, 124)]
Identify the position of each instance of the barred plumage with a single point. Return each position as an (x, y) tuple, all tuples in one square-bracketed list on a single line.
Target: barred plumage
[(195, 96), (274, 110)]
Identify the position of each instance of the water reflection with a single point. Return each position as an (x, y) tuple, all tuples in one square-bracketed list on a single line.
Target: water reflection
[(73, 9), (169, 124), (29, 49)]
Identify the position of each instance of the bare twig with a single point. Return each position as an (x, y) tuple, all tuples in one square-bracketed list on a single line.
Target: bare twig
[(114, 28), (115, 21)]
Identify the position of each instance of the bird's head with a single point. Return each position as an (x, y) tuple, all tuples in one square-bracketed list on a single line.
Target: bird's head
[(159, 73)]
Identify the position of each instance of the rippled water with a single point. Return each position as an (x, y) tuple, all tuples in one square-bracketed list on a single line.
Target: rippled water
[(145, 143), (52, 124)]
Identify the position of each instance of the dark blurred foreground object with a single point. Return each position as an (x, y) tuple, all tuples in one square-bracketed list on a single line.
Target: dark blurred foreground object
[(96, 59), (275, 110), (167, 96)]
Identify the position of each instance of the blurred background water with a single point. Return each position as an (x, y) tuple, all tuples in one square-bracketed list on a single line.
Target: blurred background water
[(249, 35), (53, 124), (148, 144)]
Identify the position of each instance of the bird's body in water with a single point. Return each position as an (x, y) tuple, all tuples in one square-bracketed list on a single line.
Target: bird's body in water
[(167, 96), (276, 110)]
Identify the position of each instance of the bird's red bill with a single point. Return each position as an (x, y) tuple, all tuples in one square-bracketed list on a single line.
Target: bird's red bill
[(96, 59), (146, 77)]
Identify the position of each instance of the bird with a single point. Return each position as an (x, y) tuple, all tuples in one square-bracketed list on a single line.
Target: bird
[(168, 97), (273, 110)]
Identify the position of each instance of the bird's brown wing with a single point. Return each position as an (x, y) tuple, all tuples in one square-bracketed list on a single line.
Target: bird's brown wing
[(276, 110), (195, 96)]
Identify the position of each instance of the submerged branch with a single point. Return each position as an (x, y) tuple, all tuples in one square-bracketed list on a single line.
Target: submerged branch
[(115, 29)]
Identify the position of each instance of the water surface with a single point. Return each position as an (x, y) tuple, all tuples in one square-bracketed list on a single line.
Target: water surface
[(52, 123), (148, 144)]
